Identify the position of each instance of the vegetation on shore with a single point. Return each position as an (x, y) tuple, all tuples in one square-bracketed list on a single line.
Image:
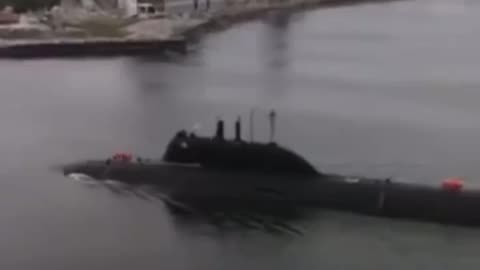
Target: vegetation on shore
[(103, 27), (26, 5)]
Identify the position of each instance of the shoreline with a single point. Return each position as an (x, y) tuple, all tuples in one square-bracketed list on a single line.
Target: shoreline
[(177, 41), (224, 21)]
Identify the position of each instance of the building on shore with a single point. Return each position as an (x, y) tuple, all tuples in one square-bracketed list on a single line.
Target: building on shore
[(8, 16), (129, 8), (89, 4), (142, 8)]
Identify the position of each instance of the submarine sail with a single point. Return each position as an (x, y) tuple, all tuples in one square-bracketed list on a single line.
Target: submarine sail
[(220, 153)]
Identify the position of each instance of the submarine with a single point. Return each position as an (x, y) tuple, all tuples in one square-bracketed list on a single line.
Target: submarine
[(232, 172)]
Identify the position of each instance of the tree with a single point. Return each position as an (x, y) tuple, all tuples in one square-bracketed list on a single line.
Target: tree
[(25, 5)]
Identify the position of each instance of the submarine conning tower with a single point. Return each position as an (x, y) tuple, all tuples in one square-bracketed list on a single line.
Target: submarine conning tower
[(235, 154)]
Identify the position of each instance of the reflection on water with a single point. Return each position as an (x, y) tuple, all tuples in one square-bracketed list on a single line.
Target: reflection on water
[(276, 54)]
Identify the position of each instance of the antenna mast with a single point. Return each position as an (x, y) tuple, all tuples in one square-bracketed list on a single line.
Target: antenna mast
[(219, 134), (238, 130), (272, 115), (252, 111)]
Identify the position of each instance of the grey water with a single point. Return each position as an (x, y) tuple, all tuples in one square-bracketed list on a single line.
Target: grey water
[(386, 90)]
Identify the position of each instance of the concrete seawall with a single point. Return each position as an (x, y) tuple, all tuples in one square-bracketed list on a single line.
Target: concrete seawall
[(97, 48)]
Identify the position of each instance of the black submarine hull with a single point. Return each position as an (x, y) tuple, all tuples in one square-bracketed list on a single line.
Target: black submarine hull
[(224, 188)]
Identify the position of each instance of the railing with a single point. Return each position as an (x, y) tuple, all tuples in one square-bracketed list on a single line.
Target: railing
[(208, 8)]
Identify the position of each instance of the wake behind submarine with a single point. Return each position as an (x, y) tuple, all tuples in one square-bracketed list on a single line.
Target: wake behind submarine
[(234, 171)]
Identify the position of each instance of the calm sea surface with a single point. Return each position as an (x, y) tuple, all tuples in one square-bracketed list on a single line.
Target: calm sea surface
[(377, 90)]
